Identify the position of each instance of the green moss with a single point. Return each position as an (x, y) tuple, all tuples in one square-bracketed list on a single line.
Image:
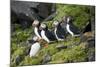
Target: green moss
[(81, 14), (74, 54), (30, 61)]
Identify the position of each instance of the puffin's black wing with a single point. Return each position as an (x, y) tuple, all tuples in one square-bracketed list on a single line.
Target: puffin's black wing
[(39, 31), (50, 35), (63, 25), (74, 29), (60, 32)]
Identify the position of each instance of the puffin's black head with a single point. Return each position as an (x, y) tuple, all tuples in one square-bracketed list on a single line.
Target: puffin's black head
[(43, 27), (64, 18), (67, 19), (36, 23)]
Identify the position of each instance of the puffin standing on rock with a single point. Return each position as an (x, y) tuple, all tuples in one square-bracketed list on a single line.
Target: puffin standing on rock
[(35, 46), (59, 32), (46, 34), (37, 31), (70, 27)]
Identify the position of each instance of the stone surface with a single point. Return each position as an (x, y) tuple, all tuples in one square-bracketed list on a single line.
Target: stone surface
[(26, 12)]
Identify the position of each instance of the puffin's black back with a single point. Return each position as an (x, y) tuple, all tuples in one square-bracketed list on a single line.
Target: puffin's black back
[(49, 34), (60, 32), (31, 41), (63, 25), (74, 29)]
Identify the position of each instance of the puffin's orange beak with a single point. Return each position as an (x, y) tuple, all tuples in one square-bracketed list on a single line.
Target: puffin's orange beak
[(46, 45)]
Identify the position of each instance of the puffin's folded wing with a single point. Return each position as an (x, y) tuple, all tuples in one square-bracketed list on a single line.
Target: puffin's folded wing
[(74, 29), (50, 35)]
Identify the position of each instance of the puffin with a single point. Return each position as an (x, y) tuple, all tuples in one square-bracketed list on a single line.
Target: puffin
[(59, 31), (37, 31), (35, 47), (46, 34), (70, 27)]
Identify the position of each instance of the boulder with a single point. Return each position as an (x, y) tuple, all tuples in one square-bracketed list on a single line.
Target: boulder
[(46, 58), (26, 12), (17, 59)]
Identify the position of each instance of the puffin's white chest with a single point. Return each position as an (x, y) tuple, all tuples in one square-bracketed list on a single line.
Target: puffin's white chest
[(55, 33), (57, 36), (68, 29), (36, 32), (34, 49), (44, 36)]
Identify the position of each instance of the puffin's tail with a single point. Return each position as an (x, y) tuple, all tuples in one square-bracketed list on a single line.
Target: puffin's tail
[(82, 31)]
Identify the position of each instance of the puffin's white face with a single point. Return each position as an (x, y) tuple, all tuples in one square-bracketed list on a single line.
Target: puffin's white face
[(35, 38), (55, 23), (35, 23), (68, 19), (42, 26)]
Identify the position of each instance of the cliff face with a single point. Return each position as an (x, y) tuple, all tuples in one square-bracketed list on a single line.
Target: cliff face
[(24, 13), (73, 49)]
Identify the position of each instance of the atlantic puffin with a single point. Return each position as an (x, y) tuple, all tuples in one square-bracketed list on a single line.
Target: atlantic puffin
[(35, 47), (37, 31), (46, 34), (70, 27), (59, 32)]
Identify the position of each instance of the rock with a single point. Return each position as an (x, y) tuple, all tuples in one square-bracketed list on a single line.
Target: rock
[(84, 45), (26, 12), (87, 36), (46, 58), (91, 42), (12, 28), (91, 56), (59, 47), (50, 17), (17, 59)]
